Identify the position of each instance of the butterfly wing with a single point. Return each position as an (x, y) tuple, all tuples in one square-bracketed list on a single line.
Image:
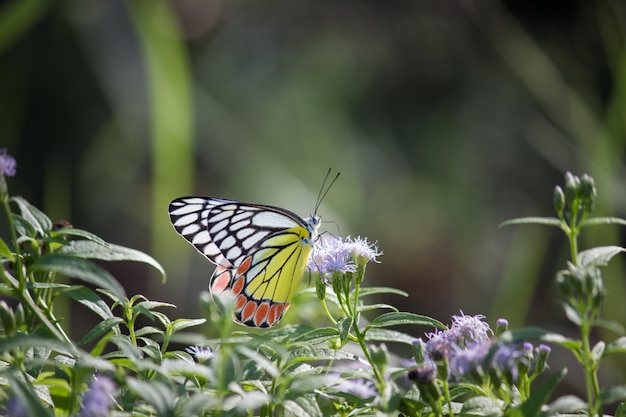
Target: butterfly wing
[(260, 252)]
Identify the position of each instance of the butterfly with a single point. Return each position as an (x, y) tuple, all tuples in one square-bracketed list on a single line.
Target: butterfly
[(261, 251)]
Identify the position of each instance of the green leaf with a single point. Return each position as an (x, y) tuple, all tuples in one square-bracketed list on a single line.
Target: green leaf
[(599, 256), (310, 353), (48, 285), (572, 314), (611, 325), (316, 336), (148, 330), (180, 324), (5, 251), (100, 329), (110, 252), (91, 300), (621, 410), (188, 369), (376, 307), (482, 406), (344, 325), (549, 221), (381, 290), (398, 318), (598, 350), (594, 221), (260, 361), (613, 394), (33, 215), (155, 393), (567, 404), (386, 335), (616, 346), (22, 226), (302, 406), (540, 395), (79, 268), (70, 231)]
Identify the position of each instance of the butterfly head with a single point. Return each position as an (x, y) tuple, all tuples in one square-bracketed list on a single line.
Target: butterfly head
[(313, 223)]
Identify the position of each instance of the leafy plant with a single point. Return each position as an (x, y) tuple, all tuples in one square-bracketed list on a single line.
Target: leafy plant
[(343, 368)]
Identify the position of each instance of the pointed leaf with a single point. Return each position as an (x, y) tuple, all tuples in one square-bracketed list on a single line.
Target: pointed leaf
[(386, 335), (33, 215), (79, 268), (316, 336), (398, 318), (540, 395), (70, 231), (594, 221), (371, 307), (5, 251), (180, 324), (613, 394), (91, 300), (381, 290), (311, 353), (617, 346), (100, 329), (344, 325), (567, 404), (599, 256), (93, 250), (549, 221)]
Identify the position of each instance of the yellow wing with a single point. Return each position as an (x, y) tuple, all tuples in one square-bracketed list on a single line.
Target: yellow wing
[(260, 251)]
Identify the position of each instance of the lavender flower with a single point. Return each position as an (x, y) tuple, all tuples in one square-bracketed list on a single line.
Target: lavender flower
[(468, 363), (97, 400), (334, 254), (465, 332), (201, 353), (8, 166)]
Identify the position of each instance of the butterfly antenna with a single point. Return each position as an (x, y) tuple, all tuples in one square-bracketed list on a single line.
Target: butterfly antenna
[(323, 193)]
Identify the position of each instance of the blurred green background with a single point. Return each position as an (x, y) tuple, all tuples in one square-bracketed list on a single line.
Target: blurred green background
[(445, 118)]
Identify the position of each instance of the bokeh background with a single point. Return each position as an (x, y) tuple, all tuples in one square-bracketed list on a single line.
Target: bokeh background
[(445, 119)]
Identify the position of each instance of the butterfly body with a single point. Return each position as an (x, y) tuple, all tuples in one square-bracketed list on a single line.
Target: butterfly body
[(260, 251)]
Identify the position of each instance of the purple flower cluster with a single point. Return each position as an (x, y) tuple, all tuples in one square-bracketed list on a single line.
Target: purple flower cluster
[(97, 400), (334, 254), (464, 333), (470, 352), (8, 166)]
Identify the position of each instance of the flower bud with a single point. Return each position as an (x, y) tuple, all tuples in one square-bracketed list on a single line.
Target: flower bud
[(542, 358), (7, 318), (502, 326), (558, 198), (572, 188), (320, 289), (379, 355), (588, 192)]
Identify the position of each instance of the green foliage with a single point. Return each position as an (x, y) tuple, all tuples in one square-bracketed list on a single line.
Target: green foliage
[(345, 368)]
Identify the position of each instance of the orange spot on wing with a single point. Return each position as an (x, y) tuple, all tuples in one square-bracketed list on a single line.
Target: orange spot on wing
[(238, 286), (239, 302), (261, 314), (245, 265), (248, 311)]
